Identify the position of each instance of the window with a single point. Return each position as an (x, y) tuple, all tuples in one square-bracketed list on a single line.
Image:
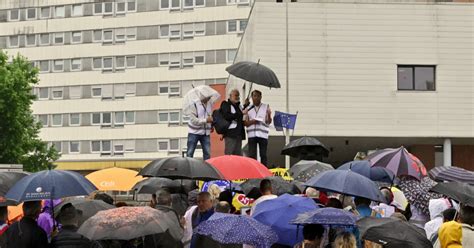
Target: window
[(76, 37), (44, 39), (416, 77), (121, 7), (120, 62), (106, 118), (14, 15), (14, 41), (118, 148), (130, 117), (58, 65), (164, 31), (199, 29), (130, 89), (162, 145), (75, 92), (108, 35), (175, 31), (44, 66), (96, 91), (174, 117), (198, 57), (57, 146), (175, 60), (108, 8), (97, 37), (120, 35), (31, 40), (164, 59), (119, 91), (31, 14), (175, 88), (163, 117), (95, 119), (131, 33), (95, 146), (119, 118), (45, 13), (58, 38), (74, 119), (107, 92), (43, 119), (106, 146), (242, 25), (232, 26), (188, 59), (174, 144), (77, 10), (74, 147), (131, 61), (175, 4), (200, 3), (164, 4), (231, 53), (59, 11), (97, 63), (98, 9), (188, 4), (57, 120), (129, 145), (107, 63), (43, 93), (57, 93), (131, 6), (163, 88), (188, 30), (76, 64)]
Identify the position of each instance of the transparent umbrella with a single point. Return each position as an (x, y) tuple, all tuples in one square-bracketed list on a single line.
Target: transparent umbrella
[(196, 95)]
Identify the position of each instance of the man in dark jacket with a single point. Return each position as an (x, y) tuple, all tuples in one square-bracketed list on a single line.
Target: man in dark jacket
[(234, 113), (68, 236), (26, 233)]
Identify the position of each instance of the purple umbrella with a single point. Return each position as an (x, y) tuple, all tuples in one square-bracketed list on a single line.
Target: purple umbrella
[(399, 161), (326, 216), (452, 174)]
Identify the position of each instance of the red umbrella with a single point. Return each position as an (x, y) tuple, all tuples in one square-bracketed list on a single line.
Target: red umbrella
[(237, 167)]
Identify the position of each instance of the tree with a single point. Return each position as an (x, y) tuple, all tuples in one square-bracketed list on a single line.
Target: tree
[(19, 140)]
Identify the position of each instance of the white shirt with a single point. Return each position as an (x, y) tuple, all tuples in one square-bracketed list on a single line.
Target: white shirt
[(260, 200)]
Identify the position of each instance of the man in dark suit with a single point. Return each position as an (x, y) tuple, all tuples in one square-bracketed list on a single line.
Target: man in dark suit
[(26, 233), (233, 112)]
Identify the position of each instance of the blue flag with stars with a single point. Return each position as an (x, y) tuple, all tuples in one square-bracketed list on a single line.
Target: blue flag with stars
[(284, 120)]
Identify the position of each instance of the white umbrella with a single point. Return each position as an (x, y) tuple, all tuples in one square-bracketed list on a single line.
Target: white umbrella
[(196, 95)]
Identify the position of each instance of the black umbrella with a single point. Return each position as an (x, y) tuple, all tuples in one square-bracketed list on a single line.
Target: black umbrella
[(255, 73), (88, 207), (392, 233), (461, 192), (306, 169), (181, 168), (7, 180), (153, 184), (279, 187), (307, 148)]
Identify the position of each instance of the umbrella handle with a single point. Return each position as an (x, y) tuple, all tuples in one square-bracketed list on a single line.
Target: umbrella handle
[(250, 90)]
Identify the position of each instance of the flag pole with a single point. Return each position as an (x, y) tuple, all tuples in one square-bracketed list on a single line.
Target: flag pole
[(293, 131), (287, 134)]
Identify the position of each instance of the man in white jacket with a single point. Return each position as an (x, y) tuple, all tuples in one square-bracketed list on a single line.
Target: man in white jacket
[(199, 128)]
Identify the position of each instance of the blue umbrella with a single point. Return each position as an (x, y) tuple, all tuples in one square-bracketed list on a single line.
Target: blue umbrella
[(50, 184), (346, 182), (237, 229), (363, 167), (277, 213), (326, 216)]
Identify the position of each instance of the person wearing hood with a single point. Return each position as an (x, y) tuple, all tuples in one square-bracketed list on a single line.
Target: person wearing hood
[(450, 235), (466, 217), (45, 219), (436, 207)]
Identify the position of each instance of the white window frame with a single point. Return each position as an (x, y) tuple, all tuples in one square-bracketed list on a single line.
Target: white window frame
[(167, 117), (227, 59), (58, 149), (31, 18), (174, 85), (92, 119), (80, 64), (101, 35), (175, 27), (41, 13), (164, 85), (124, 7), (188, 7), (41, 40), (70, 120), (169, 4), (187, 56), (77, 5), (100, 146), (188, 30), (123, 118), (49, 66), (167, 145), (243, 1), (58, 35), (200, 32), (111, 66), (131, 33), (102, 123), (175, 63), (55, 11), (47, 121), (131, 66), (129, 145), (111, 37), (39, 93), (111, 12), (17, 43), (52, 120), (176, 7), (78, 147), (72, 37), (54, 65), (164, 36), (116, 64), (236, 27), (199, 6), (97, 68), (71, 96), (130, 2), (134, 117), (200, 54), (175, 121), (130, 89), (118, 144), (104, 152), (56, 89), (10, 15), (239, 25), (96, 87), (26, 40), (101, 9), (164, 57), (231, 2), (116, 89), (120, 32)]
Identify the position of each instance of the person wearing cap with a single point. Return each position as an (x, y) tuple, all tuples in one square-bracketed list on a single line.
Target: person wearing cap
[(68, 236)]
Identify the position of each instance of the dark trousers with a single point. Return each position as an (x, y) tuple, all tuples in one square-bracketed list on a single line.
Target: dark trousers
[(262, 146), (233, 146)]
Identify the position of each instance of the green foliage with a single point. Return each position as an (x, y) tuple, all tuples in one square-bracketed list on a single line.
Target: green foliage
[(19, 140)]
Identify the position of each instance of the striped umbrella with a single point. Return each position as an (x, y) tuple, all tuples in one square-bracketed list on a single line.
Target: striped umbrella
[(452, 174), (399, 161)]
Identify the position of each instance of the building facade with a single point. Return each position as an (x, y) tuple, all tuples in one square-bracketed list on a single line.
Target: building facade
[(369, 74), (113, 73)]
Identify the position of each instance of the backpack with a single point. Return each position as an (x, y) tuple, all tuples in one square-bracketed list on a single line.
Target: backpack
[(221, 125)]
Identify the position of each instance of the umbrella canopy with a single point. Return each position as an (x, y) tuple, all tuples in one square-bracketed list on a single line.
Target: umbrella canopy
[(7, 180), (153, 184), (255, 73), (181, 168), (114, 179), (50, 184), (88, 207), (279, 187), (306, 169), (127, 223), (238, 167), (237, 229), (277, 213), (392, 233), (363, 167), (399, 197), (346, 182), (417, 192), (196, 95), (306, 148), (451, 174), (461, 192), (15, 213), (326, 216), (399, 161)]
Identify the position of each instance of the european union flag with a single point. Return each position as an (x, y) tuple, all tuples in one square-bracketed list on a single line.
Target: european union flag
[(284, 120)]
